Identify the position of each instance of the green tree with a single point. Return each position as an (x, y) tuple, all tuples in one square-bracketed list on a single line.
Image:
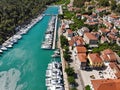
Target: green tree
[(87, 87), (71, 79), (69, 71)]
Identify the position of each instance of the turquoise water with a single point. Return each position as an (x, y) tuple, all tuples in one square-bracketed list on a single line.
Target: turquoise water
[(28, 58)]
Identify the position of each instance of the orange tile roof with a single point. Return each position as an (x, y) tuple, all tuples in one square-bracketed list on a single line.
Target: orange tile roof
[(116, 69), (108, 55), (70, 31), (71, 42), (82, 57), (81, 49), (104, 30), (95, 57), (77, 39), (104, 84), (91, 36)]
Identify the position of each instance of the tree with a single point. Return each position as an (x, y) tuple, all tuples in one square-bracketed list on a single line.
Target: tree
[(63, 41), (87, 87), (69, 71), (66, 56), (71, 79), (113, 5), (118, 8), (104, 3)]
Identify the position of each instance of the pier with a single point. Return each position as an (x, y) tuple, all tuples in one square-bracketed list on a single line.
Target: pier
[(55, 30)]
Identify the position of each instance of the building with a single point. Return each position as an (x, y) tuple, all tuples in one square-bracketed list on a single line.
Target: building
[(82, 59), (104, 31), (95, 60), (108, 55), (82, 31), (90, 39), (106, 84), (69, 33), (81, 56), (80, 49)]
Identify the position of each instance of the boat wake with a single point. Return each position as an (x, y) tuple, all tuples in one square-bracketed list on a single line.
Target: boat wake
[(9, 79)]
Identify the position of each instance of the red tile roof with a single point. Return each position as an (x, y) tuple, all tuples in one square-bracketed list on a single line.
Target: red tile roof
[(82, 57), (91, 36), (108, 55), (104, 84), (81, 49), (95, 58)]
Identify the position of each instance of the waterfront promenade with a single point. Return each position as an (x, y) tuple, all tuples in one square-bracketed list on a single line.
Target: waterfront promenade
[(66, 85)]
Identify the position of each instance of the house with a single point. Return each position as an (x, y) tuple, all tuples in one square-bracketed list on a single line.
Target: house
[(108, 55), (105, 84), (112, 37), (103, 39), (90, 39), (76, 41), (99, 10), (118, 41), (78, 15), (69, 33), (95, 60), (108, 24), (82, 31), (115, 69), (104, 31), (82, 60), (80, 49)]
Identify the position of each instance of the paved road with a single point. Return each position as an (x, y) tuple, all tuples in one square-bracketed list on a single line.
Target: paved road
[(75, 64)]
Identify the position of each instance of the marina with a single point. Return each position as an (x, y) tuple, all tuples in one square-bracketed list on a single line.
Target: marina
[(23, 66), (50, 35), (14, 39), (54, 79)]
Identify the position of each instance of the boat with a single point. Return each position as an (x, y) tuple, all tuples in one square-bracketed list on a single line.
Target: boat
[(1, 51), (54, 79), (3, 48), (9, 46), (55, 55)]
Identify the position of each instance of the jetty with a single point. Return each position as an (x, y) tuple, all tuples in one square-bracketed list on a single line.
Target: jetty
[(55, 30)]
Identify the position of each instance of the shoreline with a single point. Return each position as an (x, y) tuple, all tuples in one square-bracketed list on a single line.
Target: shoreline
[(22, 31)]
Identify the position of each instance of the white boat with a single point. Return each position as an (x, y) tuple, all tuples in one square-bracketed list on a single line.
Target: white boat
[(48, 73), (48, 82), (3, 48), (1, 51), (9, 46), (55, 87), (55, 55), (46, 46)]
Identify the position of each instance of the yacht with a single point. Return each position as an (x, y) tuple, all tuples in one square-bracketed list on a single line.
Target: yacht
[(3, 48), (1, 51)]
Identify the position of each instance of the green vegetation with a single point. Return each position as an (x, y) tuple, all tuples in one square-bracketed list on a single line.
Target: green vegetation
[(104, 3), (63, 41), (87, 87), (62, 2), (16, 13), (71, 79), (104, 46), (80, 3), (69, 71)]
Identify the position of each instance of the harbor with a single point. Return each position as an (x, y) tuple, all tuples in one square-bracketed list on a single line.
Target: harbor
[(23, 67), (14, 39), (49, 41), (54, 79)]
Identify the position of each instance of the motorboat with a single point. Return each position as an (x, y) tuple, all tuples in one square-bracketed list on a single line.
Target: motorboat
[(3, 48), (1, 51)]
